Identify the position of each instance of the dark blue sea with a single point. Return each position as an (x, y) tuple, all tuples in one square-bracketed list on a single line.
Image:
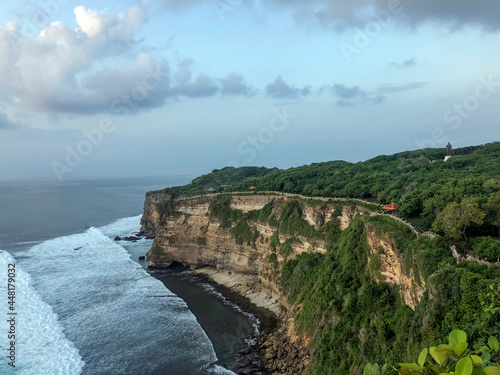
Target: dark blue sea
[(85, 304)]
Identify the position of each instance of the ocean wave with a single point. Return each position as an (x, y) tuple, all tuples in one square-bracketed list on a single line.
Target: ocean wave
[(122, 320), (122, 227), (41, 346)]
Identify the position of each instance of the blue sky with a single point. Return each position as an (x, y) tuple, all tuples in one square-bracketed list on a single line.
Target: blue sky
[(118, 88)]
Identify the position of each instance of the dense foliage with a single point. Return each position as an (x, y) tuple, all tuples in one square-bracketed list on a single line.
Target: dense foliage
[(457, 357), (352, 319), (351, 316), (420, 182), (459, 198), (218, 180)]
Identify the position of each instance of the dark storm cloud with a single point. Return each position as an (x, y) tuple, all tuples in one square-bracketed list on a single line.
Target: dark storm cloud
[(341, 14), (280, 89)]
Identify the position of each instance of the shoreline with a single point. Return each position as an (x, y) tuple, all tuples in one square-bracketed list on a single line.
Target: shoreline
[(248, 360), (276, 353), (268, 323), (272, 351)]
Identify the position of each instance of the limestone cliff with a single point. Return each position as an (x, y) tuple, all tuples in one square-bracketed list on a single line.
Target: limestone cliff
[(187, 232), (154, 208), (192, 237), (390, 267)]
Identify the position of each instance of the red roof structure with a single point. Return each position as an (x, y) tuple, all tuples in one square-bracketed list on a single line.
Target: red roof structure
[(252, 187), (391, 207)]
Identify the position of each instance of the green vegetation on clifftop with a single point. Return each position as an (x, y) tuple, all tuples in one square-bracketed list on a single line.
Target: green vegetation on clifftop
[(459, 198), (340, 300), (352, 319)]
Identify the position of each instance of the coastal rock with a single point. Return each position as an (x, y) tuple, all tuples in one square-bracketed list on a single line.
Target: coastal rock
[(154, 207), (118, 238), (280, 355), (131, 238)]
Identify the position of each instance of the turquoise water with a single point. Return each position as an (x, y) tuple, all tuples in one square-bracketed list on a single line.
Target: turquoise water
[(89, 302)]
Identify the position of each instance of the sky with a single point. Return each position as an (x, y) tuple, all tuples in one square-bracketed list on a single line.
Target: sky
[(93, 89)]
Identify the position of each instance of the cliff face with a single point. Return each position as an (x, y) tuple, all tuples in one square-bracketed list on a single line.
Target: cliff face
[(191, 237), (391, 268), (188, 234), (186, 231), (154, 206)]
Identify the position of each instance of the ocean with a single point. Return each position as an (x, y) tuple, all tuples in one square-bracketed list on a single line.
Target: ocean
[(82, 303)]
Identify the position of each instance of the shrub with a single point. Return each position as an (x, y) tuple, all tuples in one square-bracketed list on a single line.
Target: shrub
[(487, 247), (457, 357)]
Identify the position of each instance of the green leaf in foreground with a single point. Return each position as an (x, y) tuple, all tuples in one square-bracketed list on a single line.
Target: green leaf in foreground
[(493, 344), (440, 357), (464, 367), (476, 360), (422, 357), (460, 348), (411, 366), (490, 370), (456, 337)]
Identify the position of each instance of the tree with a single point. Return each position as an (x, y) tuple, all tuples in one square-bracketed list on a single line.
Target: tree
[(493, 206), (457, 217)]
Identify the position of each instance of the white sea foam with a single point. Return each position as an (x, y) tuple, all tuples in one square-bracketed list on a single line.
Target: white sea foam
[(122, 227), (40, 343), (122, 320), (219, 370), (127, 227)]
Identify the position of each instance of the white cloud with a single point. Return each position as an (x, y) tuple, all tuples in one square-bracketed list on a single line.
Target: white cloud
[(78, 70), (94, 68), (100, 23)]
